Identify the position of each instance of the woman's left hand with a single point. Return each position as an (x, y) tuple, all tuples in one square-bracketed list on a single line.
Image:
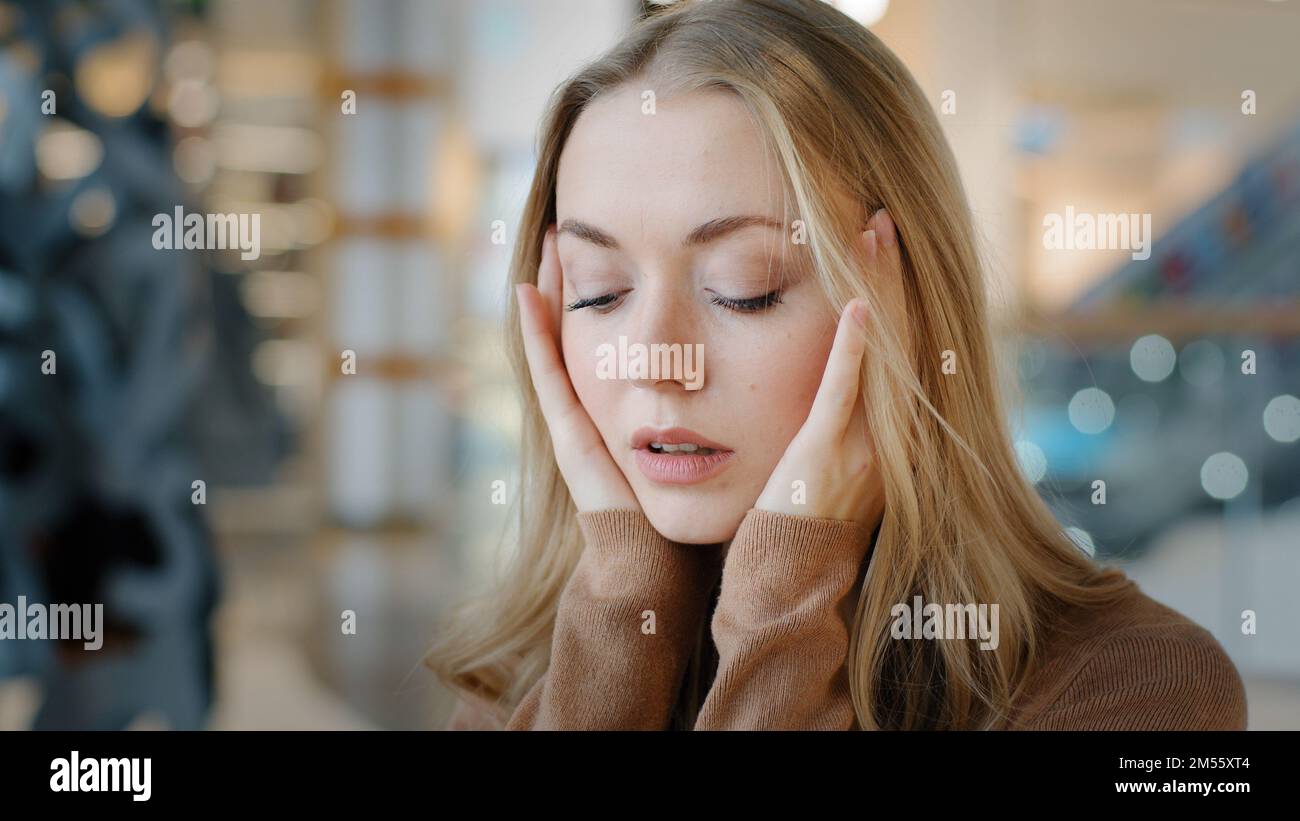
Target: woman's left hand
[(832, 454)]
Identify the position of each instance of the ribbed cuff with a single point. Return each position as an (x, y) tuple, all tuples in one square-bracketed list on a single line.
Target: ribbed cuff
[(625, 541), (797, 547)]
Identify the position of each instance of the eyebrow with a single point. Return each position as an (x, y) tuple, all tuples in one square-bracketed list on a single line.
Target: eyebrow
[(709, 231)]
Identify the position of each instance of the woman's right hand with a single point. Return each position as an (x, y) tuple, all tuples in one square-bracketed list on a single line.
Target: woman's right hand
[(595, 481)]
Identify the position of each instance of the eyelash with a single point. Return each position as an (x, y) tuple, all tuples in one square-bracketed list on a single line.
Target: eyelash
[(750, 305), (592, 302)]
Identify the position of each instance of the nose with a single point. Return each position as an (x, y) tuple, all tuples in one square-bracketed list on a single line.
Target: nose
[(667, 330), (663, 357)]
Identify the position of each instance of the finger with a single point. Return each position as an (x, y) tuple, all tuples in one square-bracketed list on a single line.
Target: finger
[(550, 379), (888, 260), (550, 282), (886, 270), (856, 443), (841, 381)]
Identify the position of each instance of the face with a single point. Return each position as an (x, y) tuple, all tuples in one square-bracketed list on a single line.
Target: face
[(673, 232)]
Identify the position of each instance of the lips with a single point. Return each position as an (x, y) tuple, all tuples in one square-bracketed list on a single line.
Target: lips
[(644, 437), (678, 456)]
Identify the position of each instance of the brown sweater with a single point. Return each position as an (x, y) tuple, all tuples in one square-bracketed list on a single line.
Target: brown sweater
[(629, 616)]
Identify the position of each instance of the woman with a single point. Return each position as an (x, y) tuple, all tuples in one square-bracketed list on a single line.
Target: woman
[(765, 180)]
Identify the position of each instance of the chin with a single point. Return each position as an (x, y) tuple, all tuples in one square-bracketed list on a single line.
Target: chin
[(701, 520)]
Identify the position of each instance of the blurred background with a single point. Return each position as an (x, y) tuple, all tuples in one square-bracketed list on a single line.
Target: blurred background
[(201, 462)]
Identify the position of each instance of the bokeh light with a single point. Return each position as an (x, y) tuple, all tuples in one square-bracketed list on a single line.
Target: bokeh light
[(1282, 418), (1201, 363), (1224, 475), (1091, 410), (1082, 539), (1153, 358), (1033, 462)]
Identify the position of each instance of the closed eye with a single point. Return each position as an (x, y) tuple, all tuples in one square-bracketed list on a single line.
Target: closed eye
[(749, 305), (746, 305), (596, 302)]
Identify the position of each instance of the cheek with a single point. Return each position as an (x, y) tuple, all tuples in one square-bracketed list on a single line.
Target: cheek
[(778, 375), (596, 395)]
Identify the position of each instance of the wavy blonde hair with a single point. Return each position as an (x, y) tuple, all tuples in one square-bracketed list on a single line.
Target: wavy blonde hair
[(961, 524)]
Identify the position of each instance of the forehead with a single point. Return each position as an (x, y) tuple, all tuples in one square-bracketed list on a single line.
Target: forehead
[(699, 156)]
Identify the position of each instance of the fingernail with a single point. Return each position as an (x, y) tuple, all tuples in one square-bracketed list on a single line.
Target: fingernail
[(869, 241), (885, 225), (859, 311)]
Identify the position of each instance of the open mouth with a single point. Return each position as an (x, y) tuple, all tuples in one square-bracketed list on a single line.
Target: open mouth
[(686, 449), (677, 456)]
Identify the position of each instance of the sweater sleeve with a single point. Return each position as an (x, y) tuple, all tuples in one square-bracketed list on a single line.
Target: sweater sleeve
[(1166, 677), (782, 625), (624, 631)]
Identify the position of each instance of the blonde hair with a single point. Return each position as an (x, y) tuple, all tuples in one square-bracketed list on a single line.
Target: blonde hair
[(961, 524)]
